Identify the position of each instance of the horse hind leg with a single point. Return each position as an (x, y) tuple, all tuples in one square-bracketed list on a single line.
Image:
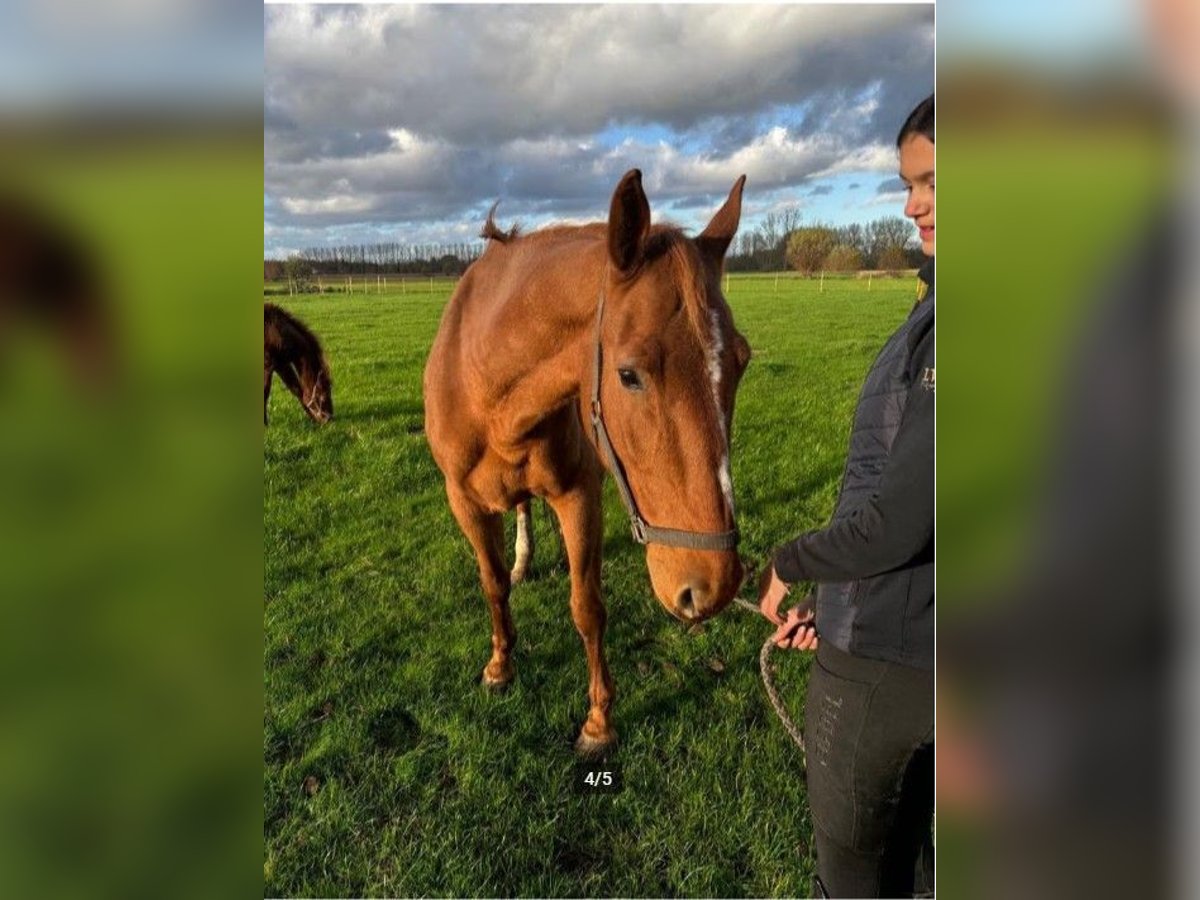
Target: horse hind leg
[(485, 531), (524, 542)]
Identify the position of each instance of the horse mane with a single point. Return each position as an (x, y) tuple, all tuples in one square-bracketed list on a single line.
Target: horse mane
[(664, 239), (309, 343), (492, 233)]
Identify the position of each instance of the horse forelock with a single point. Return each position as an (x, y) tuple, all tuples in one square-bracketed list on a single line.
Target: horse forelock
[(691, 280)]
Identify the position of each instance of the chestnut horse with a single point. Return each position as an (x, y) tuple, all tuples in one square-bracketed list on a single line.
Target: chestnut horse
[(293, 351), (572, 350)]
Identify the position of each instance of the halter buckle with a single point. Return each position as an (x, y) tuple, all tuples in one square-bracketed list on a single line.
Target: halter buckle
[(638, 527)]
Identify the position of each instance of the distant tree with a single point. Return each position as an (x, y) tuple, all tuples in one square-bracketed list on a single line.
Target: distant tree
[(272, 269), (914, 257), (889, 233), (298, 272), (855, 236), (772, 237), (808, 247), (770, 231), (789, 219), (892, 259), (843, 258)]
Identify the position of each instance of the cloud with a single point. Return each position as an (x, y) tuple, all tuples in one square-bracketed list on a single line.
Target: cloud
[(821, 190), (890, 186), (493, 73), (407, 116)]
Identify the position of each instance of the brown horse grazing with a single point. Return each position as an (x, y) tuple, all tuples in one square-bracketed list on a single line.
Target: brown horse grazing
[(291, 350), (575, 349), (51, 282)]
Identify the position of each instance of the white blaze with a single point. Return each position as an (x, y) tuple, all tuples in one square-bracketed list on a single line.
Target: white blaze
[(714, 374), (726, 482)]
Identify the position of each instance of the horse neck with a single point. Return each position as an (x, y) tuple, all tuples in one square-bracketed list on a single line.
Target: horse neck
[(556, 314)]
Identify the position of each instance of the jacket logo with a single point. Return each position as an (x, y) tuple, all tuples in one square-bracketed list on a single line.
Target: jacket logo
[(927, 378)]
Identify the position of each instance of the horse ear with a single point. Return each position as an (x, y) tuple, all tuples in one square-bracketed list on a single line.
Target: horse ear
[(715, 239), (628, 222), (741, 351)]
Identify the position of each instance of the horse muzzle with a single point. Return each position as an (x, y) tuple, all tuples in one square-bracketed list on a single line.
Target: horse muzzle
[(694, 586)]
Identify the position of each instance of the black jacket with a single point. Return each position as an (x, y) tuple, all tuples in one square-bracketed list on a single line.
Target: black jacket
[(874, 561)]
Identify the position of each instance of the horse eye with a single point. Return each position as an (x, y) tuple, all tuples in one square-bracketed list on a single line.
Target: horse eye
[(629, 379)]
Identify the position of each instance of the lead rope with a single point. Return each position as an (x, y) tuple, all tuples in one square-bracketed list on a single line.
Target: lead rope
[(768, 681)]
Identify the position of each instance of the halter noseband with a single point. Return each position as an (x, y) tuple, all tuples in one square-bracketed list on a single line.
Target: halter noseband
[(312, 395), (643, 532)]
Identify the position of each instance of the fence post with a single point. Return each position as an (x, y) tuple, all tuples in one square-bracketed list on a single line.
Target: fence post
[(870, 278), (822, 282), (350, 285), (777, 282)]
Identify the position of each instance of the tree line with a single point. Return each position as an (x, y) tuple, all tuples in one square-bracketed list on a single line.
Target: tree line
[(376, 259), (781, 241)]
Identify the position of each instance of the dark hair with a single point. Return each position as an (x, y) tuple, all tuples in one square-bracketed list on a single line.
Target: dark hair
[(919, 121)]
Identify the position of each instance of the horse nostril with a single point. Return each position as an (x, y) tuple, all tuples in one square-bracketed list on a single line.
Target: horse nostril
[(685, 604)]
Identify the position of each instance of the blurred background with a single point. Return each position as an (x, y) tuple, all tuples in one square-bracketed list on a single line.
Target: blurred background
[(130, 530), (130, 478), (1067, 230)]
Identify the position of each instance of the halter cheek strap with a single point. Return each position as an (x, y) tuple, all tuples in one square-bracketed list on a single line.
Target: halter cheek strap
[(643, 533), (312, 395)]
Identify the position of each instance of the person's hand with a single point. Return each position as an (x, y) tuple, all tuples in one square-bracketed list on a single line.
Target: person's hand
[(798, 629), (771, 591)]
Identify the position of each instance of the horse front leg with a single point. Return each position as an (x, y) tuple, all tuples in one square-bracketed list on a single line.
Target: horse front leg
[(579, 514), (266, 390), (485, 531)]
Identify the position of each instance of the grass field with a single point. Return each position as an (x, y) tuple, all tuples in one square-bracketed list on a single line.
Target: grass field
[(389, 770)]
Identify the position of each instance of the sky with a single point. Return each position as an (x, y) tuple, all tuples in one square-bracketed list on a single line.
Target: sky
[(407, 122)]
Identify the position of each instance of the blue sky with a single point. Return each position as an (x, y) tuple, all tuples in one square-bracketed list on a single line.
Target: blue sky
[(406, 123), (1059, 32)]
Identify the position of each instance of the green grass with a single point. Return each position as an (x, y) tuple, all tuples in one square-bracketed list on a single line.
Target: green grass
[(376, 631), (1023, 295)]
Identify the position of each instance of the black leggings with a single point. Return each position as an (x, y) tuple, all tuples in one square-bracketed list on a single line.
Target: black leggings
[(869, 731)]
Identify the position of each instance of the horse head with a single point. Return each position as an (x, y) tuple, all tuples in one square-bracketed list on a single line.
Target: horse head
[(315, 389), (671, 362)]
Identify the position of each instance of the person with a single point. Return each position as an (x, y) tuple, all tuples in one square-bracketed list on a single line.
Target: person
[(869, 707)]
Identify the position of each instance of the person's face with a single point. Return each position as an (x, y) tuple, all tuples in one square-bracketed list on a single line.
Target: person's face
[(916, 171), (1175, 32)]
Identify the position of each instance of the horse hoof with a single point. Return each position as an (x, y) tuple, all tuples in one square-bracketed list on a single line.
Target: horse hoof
[(589, 747), (518, 574), (497, 678)]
